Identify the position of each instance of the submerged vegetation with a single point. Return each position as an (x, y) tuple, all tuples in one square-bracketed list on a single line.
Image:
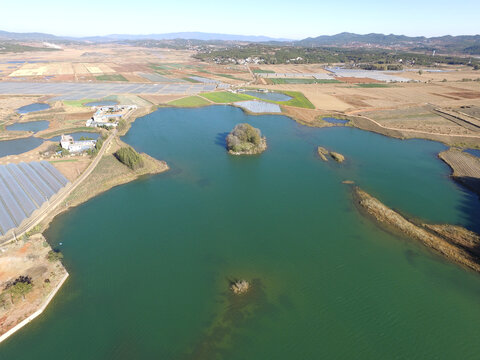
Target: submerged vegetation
[(245, 140), (239, 287)]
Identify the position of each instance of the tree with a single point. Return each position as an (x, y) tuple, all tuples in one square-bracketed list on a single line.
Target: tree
[(129, 157), (20, 287)]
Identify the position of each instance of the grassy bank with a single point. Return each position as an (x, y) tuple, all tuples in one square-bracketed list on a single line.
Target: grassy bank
[(110, 173)]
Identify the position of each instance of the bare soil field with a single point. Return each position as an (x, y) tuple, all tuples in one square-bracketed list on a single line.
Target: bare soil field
[(161, 99), (419, 118), (307, 116), (462, 164), (353, 80)]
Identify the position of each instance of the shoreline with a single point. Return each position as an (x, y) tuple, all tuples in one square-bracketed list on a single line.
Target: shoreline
[(45, 218), (454, 243), (30, 318)]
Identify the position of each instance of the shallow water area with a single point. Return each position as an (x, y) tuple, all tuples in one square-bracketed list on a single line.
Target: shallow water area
[(474, 152), (151, 261), (334, 120)]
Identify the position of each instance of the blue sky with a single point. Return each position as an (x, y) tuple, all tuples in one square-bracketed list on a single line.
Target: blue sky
[(291, 19)]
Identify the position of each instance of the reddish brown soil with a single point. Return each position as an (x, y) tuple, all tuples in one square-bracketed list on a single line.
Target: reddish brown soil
[(354, 100), (354, 80), (79, 116), (445, 96), (467, 94), (64, 78)]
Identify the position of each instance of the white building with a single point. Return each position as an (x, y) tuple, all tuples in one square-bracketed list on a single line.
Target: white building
[(68, 143), (109, 115)]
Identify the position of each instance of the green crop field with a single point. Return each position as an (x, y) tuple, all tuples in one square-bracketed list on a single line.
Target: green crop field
[(260, 71), (228, 76), (114, 77), (78, 103), (302, 81), (190, 101), (226, 97), (373, 85), (299, 100)]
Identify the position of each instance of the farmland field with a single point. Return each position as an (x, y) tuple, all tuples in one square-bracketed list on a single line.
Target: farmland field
[(226, 97), (302, 81), (190, 101), (299, 100), (78, 103), (115, 77), (373, 85), (260, 71)]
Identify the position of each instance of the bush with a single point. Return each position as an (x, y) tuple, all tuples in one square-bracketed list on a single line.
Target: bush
[(54, 256), (122, 124), (129, 157)]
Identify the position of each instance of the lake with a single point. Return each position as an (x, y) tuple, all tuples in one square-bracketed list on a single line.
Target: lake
[(77, 136), (150, 261), (32, 108), (18, 146), (34, 126)]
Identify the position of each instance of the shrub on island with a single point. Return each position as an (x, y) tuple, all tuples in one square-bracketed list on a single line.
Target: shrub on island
[(245, 140), (129, 157)]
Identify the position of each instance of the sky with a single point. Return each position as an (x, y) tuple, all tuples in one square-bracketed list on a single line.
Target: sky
[(281, 19)]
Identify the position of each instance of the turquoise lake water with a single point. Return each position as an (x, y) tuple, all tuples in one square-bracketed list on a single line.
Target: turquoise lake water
[(151, 261)]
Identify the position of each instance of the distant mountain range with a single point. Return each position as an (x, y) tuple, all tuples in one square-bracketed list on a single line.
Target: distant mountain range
[(5, 35), (467, 44), (462, 43)]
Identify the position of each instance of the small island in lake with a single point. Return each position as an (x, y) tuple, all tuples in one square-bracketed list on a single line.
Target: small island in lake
[(322, 152), (246, 140)]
